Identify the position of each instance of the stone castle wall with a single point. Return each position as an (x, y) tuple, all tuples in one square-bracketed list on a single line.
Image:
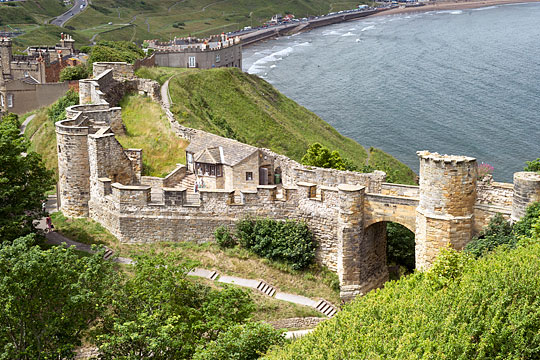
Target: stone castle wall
[(346, 211)]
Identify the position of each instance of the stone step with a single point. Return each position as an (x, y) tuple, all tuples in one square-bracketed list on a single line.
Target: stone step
[(214, 275), (326, 308), (108, 254), (266, 288)]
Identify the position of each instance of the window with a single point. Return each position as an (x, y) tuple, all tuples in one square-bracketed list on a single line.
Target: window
[(10, 100), (26, 74), (218, 58), (192, 62), (2, 100), (249, 176), (213, 170), (218, 170)]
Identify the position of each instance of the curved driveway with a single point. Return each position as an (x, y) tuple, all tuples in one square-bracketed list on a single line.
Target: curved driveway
[(62, 19)]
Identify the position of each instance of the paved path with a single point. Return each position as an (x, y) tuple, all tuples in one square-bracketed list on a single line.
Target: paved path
[(55, 238), (26, 122), (165, 96)]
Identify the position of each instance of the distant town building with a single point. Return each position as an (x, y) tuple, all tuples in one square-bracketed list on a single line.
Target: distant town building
[(214, 52), (30, 81)]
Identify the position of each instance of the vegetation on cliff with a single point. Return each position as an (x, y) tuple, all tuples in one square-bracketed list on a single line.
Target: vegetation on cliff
[(461, 308), (234, 104)]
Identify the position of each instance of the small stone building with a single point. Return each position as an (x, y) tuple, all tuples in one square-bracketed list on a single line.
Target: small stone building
[(221, 163)]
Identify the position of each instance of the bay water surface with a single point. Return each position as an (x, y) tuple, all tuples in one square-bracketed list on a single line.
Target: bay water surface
[(462, 82)]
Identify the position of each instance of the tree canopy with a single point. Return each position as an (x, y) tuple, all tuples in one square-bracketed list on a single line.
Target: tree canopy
[(23, 182), (159, 313), (49, 297)]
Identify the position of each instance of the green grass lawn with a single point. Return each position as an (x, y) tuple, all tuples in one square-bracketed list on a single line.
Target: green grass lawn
[(147, 128)]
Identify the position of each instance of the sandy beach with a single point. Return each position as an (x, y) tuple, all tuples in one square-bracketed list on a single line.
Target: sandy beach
[(452, 5)]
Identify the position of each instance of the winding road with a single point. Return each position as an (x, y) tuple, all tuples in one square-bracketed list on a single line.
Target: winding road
[(64, 18)]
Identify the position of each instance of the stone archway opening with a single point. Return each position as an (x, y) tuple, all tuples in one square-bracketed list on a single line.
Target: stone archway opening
[(400, 250)]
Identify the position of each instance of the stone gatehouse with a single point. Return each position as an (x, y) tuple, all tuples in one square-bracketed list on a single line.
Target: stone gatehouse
[(346, 211)]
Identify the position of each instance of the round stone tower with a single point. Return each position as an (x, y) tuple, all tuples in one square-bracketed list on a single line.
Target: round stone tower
[(445, 212), (73, 168), (526, 191)]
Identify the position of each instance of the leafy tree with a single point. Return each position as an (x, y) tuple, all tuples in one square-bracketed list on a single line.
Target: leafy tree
[(400, 245), (49, 297), (23, 182), (158, 313), (533, 165), (241, 342), (57, 111), (73, 73), (498, 232), (320, 156)]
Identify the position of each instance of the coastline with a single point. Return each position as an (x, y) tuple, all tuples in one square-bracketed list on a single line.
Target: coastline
[(452, 5), (437, 6)]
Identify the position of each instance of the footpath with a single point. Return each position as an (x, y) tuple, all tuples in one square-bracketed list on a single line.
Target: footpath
[(323, 306)]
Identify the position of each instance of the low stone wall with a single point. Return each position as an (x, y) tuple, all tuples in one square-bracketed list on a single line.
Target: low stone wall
[(297, 323), (121, 70), (400, 190), (147, 61), (489, 192)]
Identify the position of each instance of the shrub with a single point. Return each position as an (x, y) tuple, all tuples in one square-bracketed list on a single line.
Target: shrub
[(289, 241), (245, 232), (533, 165), (73, 73), (484, 169), (241, 342), (224, 237), (498, 232), (57, 111), (524, 226)]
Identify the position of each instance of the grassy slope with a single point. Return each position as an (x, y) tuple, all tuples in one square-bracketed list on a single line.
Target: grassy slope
[(162, 150), (255, 112), (42, 137), (314, 282), (155, 18), (200, 17)]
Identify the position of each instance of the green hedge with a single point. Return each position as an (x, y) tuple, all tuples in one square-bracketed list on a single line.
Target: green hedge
[(289, 241)]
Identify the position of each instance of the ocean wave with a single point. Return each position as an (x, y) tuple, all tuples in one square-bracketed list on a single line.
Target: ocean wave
[(486, 8), (348, 34), (307, 43), (368, 28), (451, 12), (331, 32), (260, 65)]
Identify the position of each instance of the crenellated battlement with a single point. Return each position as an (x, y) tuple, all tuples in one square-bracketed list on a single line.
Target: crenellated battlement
[(346, 211)]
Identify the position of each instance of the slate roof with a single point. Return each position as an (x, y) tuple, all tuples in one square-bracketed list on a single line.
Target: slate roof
[(206, 149)]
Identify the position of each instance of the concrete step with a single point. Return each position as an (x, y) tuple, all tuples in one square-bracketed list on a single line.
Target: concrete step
[(266, 288), (108, 254), (326, 308)]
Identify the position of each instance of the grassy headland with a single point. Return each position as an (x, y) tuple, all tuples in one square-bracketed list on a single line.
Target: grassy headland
[(234, 104)]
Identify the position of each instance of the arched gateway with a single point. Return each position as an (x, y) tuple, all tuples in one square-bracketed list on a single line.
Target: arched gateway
[(346, 211)]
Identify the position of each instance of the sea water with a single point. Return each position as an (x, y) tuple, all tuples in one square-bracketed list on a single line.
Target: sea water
[(463, 82)]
